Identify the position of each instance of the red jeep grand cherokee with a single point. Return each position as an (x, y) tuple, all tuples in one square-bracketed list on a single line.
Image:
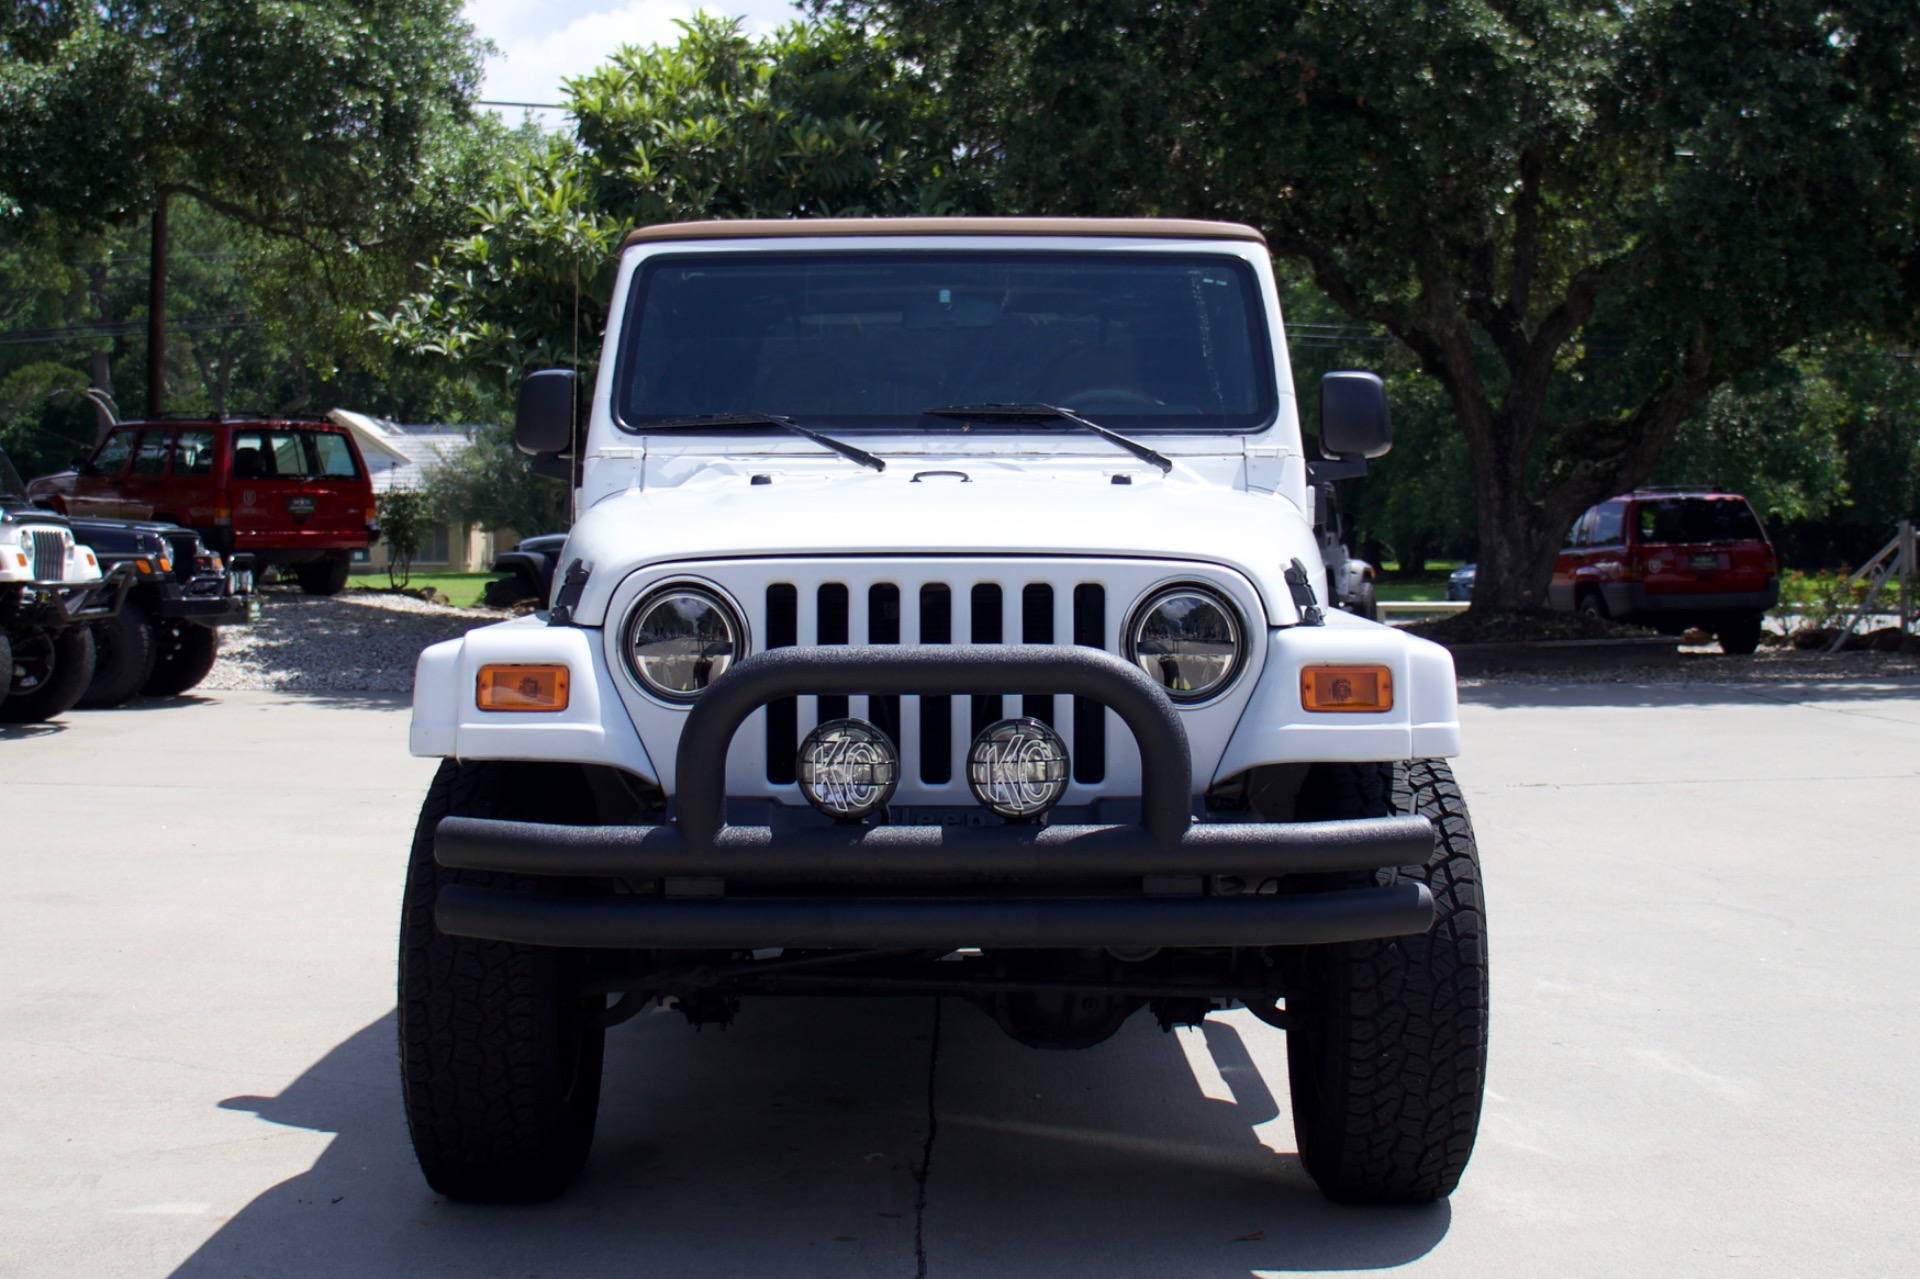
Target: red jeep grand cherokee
[(294, 494), (1672, 559)]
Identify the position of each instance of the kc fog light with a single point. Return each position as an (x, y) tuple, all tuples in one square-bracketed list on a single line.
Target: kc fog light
[(847, 769), (1018, 768)]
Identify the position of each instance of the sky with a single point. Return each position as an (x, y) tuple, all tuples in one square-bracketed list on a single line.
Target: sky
[(542, 42)]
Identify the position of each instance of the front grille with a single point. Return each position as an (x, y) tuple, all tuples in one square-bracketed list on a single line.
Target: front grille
[(932, 745), (49, 556)]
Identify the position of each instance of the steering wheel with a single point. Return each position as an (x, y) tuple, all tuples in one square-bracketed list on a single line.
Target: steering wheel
[(1110, 397)]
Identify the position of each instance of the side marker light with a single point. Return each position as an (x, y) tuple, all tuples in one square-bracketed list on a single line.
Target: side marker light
[(522, 688), (1346, 688)]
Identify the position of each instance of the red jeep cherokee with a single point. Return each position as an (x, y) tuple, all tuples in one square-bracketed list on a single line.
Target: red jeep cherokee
[(1672, 559), (294, 494)]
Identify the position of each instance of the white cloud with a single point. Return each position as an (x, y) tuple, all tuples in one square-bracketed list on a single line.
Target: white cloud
[(543, 42)]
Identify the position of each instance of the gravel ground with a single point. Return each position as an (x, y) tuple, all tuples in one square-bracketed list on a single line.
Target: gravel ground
[(357, 641), (366, 641)]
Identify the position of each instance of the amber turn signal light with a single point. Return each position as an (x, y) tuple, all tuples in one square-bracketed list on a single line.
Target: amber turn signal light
[(1346, 688), (522, 688)]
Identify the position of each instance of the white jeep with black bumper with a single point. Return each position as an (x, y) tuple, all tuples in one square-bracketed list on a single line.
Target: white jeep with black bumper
[(944, 615)]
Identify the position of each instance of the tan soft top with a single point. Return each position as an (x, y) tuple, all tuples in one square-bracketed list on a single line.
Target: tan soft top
[(770, 228)]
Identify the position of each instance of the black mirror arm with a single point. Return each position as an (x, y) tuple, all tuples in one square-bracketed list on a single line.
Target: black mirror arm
[(1322, 470)]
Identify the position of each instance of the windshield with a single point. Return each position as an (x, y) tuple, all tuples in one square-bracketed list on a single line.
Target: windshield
[(1697, 519), (11, 489), (850, 340)]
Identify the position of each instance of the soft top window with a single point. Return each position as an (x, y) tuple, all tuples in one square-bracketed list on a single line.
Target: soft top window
[(1137, 341), (1697, 519)]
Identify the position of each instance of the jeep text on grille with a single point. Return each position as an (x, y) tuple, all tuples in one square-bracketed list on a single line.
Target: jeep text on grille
[(945, 614)]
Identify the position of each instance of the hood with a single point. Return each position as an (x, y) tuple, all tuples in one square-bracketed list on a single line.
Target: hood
[(733, 510)]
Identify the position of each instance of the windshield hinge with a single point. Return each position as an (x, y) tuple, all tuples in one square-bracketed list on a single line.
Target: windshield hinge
[(571, 587), (1300, 583)]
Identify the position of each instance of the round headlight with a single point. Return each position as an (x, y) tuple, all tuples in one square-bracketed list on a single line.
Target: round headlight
[(1018, 768), (847, 769), (681, 639), (1188, 640)]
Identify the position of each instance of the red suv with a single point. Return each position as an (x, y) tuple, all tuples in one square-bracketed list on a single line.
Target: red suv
[(295, 494), (1672, 559)]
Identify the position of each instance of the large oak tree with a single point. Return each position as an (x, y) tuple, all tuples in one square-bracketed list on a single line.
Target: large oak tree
[(330, 122), (1580, 216)]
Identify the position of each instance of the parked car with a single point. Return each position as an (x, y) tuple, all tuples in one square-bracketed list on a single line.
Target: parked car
[(1351, 581), (293, 494), (1672, 559), (946, 614), (165, 637), (52, 591)]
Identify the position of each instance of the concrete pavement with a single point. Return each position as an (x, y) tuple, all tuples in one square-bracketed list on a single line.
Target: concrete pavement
[(1704, 1057)]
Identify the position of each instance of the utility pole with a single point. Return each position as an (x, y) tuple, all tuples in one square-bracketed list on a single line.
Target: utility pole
[(157, 310)]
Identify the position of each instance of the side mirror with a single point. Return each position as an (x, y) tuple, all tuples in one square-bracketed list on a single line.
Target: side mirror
[(1354, 422), (544, 424)]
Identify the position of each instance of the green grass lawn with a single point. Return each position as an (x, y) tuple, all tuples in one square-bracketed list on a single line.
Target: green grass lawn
[(461, 589), (1427, 588)]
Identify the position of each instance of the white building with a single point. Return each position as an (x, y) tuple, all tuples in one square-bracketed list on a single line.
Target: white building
[(398, 456)]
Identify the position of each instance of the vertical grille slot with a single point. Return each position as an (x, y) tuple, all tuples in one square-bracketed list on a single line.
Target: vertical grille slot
[(49, 558), (783, 715), (1036, 627), (832, 628), (1089, 717), (883, 627), (986, 627), (936, 713)]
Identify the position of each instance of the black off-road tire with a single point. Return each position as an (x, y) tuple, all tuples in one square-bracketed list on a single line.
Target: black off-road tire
[(1387, 1040), (125, 648), (499, 1062), (184, 654), (1741, 635), (55, 671), (6, 666), (326, 576)]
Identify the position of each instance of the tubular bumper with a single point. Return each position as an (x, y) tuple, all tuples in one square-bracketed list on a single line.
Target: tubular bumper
[(1164, 882)]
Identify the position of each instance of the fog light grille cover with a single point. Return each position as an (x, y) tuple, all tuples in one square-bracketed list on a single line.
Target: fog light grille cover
[(847, 769), (1018, 767)]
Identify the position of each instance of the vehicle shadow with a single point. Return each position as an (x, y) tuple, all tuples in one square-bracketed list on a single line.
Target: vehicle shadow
[(39, 728), (789, 1145), (1122, 1159)]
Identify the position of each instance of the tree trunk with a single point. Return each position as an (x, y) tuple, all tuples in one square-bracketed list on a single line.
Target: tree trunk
[(100, 359), (157, 311), (1518, 543)]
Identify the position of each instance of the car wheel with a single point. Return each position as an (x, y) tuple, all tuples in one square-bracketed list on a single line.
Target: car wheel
[(6, 666), (1387, 1039), (326, 576), (500, 1055), (1741, 635), (1592, 605), (50, 672), (185, 654), (1368, 603), (125, 648)]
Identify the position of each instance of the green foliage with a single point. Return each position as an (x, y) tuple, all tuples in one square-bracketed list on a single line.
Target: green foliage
[(1772, 434), (492, 485), (1820, 600), (406, 521), (1580, 218), (814, 119)]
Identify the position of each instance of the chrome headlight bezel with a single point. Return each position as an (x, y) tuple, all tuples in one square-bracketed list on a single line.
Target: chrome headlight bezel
[(1144, 612), (723, 607)]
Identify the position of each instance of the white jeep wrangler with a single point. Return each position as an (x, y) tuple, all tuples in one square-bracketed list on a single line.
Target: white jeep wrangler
[(944, 615)]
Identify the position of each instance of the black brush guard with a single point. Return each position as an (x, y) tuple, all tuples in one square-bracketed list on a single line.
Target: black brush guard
[(933, 887)]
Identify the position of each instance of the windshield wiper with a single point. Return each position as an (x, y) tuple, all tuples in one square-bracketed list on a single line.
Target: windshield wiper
[(1049, 413), (844, 449)]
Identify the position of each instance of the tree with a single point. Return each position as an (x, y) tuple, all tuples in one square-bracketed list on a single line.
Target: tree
[(492, 485), (333, 123), (1579, 217), (817, 118)]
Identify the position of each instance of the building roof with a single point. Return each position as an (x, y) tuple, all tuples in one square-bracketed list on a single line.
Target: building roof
[(766, 228), (397, 455)]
